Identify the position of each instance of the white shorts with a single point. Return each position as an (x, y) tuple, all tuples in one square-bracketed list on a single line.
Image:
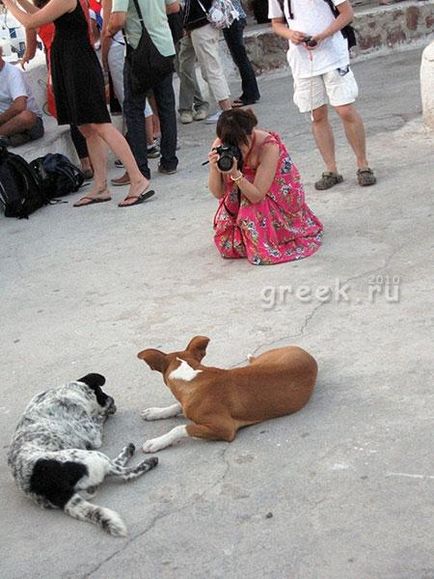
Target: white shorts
[(331, 87)]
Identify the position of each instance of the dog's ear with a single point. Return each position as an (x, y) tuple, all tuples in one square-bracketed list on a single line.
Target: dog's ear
[(93, 380), (155, 359), (197, 347)]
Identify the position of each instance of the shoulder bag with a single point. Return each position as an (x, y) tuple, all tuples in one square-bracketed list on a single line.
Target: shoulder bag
[(148, 67)]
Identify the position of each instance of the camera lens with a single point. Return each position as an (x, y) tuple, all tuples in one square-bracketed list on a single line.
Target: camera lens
[(225, 162)]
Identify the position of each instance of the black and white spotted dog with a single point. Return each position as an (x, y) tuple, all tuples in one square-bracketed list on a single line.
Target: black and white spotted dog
[(51, 452)]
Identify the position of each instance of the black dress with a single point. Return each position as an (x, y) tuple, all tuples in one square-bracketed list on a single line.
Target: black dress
[(78, 81)]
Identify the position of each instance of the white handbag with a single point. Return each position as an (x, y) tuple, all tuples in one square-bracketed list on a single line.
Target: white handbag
[(221, 14)]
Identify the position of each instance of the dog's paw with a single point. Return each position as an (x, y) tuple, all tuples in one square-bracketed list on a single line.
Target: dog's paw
[(153, 445), (151, 413), (151, 462)]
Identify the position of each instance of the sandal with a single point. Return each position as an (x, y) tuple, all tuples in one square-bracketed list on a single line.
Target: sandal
[(137, 199), (328, 179), (240, 102), (366, 177), (88, 200)]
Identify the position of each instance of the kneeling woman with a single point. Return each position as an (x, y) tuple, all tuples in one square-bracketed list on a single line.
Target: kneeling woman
[(262, 213)]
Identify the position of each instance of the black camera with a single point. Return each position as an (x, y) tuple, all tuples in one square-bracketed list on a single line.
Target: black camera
[(309, 41), (227, 154)]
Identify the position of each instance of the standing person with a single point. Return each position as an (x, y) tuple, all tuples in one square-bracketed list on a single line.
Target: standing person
[(46, 34), (262, 213), (80, 94), (235, 43), (319, 59), (205, 41), (124, 15), (192, 104)]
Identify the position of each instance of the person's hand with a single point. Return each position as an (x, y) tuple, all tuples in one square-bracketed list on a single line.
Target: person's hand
[(25, 60), (213, 157), (233, 172), (314, 42), (297, 37)]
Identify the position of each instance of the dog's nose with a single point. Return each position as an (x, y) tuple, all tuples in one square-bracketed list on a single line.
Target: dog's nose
[(111, 406)]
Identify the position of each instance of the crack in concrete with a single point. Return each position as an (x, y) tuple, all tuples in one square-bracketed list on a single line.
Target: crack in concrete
[(308, 319), (158, 518)]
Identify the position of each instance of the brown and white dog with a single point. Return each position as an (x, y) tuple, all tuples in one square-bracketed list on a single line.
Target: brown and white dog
[(218, 401)]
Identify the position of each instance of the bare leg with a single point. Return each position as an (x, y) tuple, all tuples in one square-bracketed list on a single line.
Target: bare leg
[(225, 104), (323, 134), (18, 124), (355, 133), (118, 144), (149, 128), (98, 155)]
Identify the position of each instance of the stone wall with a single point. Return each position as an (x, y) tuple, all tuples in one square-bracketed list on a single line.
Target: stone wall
[(378, 27)]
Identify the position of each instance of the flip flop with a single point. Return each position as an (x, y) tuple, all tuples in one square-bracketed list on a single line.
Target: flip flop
[(138, 198), (91, 201)]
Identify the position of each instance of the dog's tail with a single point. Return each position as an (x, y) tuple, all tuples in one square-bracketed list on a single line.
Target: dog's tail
[(107, 519)]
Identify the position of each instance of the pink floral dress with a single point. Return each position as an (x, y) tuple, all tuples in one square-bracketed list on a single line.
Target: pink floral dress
[(279, 228)]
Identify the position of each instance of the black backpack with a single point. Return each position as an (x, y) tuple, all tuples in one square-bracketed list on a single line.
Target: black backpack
[(57, 175), (347, 31), (20, 189)]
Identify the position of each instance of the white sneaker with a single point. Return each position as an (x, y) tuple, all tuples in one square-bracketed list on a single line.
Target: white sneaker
[(200, 114), (186, 117), (212, 119)]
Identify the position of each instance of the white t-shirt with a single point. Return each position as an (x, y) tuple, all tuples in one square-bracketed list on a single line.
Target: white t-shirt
[(312, 17), (12, 86)]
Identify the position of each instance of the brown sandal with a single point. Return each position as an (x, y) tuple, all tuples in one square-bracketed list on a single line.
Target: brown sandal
[(366, 177), (328, 180)]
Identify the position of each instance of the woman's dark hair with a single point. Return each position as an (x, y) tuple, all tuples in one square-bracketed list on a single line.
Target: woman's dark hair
[(235, 126)]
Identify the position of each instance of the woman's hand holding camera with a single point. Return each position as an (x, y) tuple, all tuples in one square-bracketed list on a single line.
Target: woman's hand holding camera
[(213, 157)]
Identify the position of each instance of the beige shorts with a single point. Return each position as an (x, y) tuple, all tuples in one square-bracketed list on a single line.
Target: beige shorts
[(331, 87)]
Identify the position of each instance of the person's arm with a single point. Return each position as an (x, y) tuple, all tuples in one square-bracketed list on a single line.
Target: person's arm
[(346, 14), (106, 39), (50, 12), (116, 22), (17, 106), (256, 191), (94, 32), (28, 6), (216, 182), (173, 7), (281, 29), (118, 17), (31, 45), (280, 25)]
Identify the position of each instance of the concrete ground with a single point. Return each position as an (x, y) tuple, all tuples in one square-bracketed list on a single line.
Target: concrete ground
[(343, 489)]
